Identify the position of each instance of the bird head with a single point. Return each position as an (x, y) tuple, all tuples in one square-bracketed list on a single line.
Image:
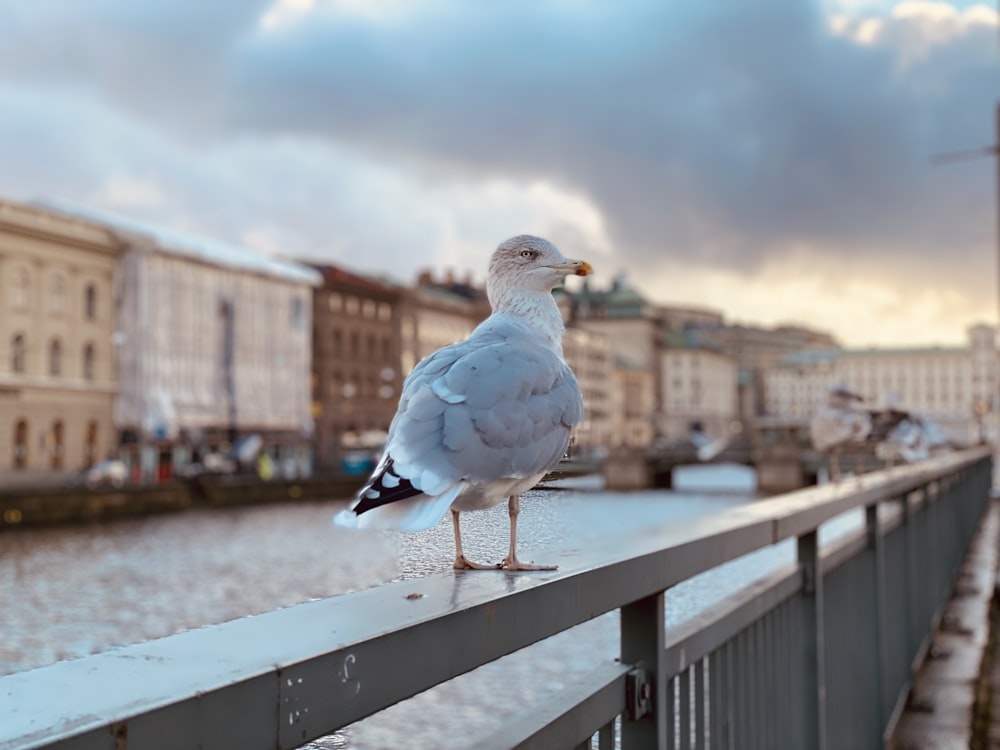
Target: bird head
[(530, 263)]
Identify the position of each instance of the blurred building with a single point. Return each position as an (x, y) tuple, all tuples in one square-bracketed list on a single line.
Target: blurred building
[(214, 346), (633, 330), (356, 366), (955, 387), (588, 354), (755, 350), (699, 386), (57, 375), (437, 312)]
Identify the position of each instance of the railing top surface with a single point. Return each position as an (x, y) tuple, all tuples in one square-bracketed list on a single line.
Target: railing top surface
[(483, 616)]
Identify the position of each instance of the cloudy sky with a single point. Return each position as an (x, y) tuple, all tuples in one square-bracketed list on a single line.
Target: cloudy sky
[(770, 158)]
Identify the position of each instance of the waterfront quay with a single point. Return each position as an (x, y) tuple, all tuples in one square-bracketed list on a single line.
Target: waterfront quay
[(681, 619), (34, 506)]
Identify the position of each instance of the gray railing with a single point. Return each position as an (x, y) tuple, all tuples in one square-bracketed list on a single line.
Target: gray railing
[(815, 655)]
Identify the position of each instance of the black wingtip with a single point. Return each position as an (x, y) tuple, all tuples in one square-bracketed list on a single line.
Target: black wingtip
[(376, 493)]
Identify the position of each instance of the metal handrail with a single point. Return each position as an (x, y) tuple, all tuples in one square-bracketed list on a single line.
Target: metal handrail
[(286, 677)]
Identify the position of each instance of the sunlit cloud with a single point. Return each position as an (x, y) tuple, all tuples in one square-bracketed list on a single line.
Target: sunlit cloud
[(921, 23), (289, 12), (123, 191), (860, 310)]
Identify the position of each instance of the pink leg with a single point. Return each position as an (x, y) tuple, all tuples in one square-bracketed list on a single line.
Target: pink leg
[(511, 562), (461, 562)]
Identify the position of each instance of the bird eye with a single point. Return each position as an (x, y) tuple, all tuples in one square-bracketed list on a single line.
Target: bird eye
[(527, 253)]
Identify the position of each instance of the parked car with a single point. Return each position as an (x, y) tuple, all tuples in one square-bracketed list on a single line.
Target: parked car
[(357, 462), (110, 472)]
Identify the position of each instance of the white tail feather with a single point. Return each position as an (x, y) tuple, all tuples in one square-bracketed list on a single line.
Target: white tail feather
[(413, 514)]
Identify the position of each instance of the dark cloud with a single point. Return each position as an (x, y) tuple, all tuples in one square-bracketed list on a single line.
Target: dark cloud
[(728, 132), (724, 133)]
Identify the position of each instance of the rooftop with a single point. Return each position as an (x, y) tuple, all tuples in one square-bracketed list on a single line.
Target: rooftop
[(210, 251)]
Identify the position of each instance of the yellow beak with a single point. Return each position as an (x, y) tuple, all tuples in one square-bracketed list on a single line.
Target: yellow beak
[(575, 267)]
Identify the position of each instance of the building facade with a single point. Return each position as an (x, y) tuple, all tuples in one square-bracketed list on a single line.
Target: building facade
[(756, 350), (956, 387), (57, 374), (589, 356), (356, 369), (699, 385), (634, 331), (436, 313), (213, 347)]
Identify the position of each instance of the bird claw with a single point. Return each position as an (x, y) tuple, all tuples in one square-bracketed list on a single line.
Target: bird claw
[(464, 563)]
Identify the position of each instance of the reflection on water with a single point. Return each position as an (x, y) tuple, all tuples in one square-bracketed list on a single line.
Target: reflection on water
[(70, 592)]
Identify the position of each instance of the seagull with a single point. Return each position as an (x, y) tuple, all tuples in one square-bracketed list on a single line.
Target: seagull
[(706, 447), (838, 424), (909, 439), (484, 419)]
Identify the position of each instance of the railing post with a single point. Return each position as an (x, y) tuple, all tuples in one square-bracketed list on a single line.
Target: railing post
[(643, 644), (876, 543), (913, 609), (814, 659)]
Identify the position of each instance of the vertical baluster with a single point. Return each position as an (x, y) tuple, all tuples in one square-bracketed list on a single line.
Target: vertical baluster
[(770, 680), (606, 737), (814, 661), (685, 710), (913, 610), (743, 689), (877, 544), (672, 713), (643, 644), (700, 705), (729, 716), (716, 708)]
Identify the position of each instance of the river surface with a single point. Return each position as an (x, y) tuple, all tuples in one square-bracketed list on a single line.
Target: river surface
[(69, 592)]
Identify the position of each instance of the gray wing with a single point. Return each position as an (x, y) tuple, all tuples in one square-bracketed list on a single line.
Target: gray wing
[(498, 405)]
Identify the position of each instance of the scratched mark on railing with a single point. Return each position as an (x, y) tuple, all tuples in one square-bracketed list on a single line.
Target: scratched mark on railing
[(294, 716), (353, 683)]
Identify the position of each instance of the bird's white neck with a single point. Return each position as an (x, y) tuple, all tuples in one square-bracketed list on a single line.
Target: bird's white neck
[(536, 310)]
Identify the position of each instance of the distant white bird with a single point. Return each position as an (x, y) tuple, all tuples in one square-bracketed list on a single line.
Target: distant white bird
[(911, 439), (906, 441), (838, 424), (706, 446), (486, 418)]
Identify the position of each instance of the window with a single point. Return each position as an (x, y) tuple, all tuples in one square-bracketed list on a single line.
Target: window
[(90, 302), (21, 444), (17, 353), (57, 295), (56, 455), (55, 357), (88, 361), (90, 444), (298, 314), (22, 288)]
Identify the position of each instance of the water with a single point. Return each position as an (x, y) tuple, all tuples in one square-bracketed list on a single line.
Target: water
[(69, 592)]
